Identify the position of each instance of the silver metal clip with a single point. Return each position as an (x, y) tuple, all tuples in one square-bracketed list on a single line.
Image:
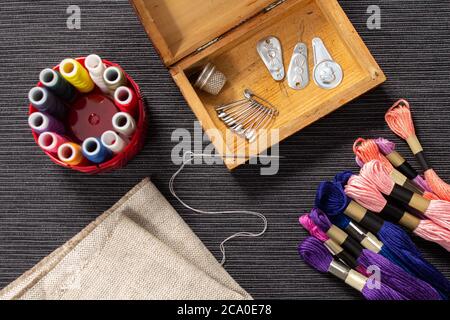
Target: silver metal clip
[(298, 74), (327, 73), (269, 49)]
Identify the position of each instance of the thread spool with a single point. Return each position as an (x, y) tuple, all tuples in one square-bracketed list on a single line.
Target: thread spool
[(126, 100), (55, 82), (113, 141), (47, 102), (77, 75), (50, 141), (95, 151), (41, 122), (71, 154), (95, 66), (114, 78), (124, 123)]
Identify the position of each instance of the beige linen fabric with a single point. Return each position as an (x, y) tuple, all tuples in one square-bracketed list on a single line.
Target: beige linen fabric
[(139, 249)]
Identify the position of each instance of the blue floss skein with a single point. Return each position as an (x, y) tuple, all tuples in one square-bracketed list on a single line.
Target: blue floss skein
[(343, 177), (95, 151), (331, 198)]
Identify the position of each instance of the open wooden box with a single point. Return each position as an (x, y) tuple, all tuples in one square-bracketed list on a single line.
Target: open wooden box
[(189, 34)]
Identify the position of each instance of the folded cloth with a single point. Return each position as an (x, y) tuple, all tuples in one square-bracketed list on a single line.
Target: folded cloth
[(138, 249)]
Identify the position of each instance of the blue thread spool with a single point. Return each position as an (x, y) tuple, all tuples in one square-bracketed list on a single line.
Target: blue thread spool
[(45, 101), (54, 81), (95, 151)]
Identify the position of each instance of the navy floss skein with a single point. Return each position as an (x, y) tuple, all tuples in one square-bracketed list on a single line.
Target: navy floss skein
[(331, 198), (55, 82), (95, 151)]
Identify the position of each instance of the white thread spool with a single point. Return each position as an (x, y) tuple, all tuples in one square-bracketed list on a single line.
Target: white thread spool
[(38, 121), (124, 123), (113, 141), (96, 68), (114, 78)]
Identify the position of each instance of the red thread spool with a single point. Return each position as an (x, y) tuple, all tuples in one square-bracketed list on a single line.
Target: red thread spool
[(136, 141), (126, 100)]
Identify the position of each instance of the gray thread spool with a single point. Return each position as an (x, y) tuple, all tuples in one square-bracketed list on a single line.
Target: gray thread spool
[(211, 80)]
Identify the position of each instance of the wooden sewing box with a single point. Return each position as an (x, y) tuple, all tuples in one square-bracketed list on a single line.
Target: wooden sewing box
[(189, 34)]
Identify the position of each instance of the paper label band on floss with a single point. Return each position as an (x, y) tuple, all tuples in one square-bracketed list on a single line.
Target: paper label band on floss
[(400, 216), (345, 241), (409, 221), (410, 198), (395, 158), (356, 280), (355, 211), (338, 252), (339, 270), (417, 150), (402, 165), (374, 246), (365, 218), (414, 144), (398, 177)]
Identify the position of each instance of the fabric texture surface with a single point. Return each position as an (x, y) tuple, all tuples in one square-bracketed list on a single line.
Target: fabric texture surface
[(43, 205), (138, 249)]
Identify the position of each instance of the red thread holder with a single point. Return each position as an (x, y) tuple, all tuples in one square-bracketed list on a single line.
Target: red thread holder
[(134, 146)]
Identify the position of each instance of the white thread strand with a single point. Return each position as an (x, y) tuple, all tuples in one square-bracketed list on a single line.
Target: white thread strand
[(188, 157)]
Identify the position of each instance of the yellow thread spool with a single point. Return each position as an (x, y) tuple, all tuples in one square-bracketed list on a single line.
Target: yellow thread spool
[(70, 153), (77, 75)]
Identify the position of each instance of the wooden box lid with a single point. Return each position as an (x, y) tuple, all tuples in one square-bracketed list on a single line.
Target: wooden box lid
[(180, 27)]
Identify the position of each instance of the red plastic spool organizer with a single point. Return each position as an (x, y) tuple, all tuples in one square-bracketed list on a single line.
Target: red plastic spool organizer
[(87, 120)]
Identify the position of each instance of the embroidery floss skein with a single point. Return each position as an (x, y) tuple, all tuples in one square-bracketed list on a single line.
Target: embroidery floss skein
[(368, 196), (331, 198), (77, 75), (41, 122), (188, 157), (367, 150), (94, 64), (54, 82), (315, 254), (95, 151), (437, 210), (71, 154), (113, 141), (357, 234), (50, 141), (399, 120), (387, 147), (45, 101), (392, 275), (337, 251)]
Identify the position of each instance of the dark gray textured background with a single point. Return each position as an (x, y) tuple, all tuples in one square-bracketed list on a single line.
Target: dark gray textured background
[(43, 205)]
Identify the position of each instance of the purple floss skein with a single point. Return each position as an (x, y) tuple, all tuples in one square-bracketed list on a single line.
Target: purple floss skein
[(391, 274), (315, 254), (331, 198), (386, 147)]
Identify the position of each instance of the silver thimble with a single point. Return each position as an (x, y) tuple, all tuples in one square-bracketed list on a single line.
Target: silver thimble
[(210, 80)]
